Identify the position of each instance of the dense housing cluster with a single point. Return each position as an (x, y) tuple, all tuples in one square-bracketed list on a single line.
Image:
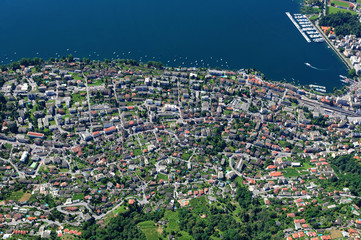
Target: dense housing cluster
[(86, 141)]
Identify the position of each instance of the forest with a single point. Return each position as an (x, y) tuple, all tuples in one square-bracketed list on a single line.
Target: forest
[(349, 172), (253, 221), (343, 23)]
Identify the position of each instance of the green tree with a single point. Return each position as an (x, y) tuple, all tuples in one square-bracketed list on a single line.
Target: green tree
[(352, 73)]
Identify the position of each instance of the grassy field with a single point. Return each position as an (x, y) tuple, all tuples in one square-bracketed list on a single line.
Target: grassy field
[(162, 176), (120, 209), (185, 156), (77, 98), (172, 218), (331, 10), (25, 197), (16, 196), (173, 225), (77, 77), (79, 196), (97, 82), (291, 172), (137, 152), (341, 4), (336, 234), (150, 230)]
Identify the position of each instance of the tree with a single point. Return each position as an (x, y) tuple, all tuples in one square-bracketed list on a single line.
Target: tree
[(70, 58), (352, 73), (86, 60)]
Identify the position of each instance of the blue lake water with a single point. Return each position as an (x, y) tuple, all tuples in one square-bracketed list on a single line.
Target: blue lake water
[(230, 34)]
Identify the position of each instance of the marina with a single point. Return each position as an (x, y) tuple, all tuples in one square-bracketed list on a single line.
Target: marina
[(318, 88), (305, 27), (297, 26), (172, 36)]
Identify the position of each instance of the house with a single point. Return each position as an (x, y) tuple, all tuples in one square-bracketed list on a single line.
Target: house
[(231, 175), (110, 130), (35, 135)]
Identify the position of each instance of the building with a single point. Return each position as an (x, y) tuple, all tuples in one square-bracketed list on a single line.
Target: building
[(35, 135), (24, 156), (110, 130)]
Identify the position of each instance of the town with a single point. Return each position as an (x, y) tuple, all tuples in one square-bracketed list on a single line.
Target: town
[(87, 141)]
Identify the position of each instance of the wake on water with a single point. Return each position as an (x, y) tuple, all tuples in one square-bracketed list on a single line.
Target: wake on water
[(309, 65)]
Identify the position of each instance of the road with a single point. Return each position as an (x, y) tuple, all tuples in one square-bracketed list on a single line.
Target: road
[(88, 100), (340, 55), (20, 174)]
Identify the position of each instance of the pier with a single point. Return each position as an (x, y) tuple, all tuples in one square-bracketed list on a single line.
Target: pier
[(298, 27)]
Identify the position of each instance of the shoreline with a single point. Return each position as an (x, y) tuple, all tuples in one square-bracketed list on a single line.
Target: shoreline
[(177, 68), (329, 43)]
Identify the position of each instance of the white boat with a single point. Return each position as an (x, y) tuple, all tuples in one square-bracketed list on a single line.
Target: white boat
[(318, 40), (320, 90), (317, 86)]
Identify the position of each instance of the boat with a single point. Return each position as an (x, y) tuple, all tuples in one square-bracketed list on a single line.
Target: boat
[(318, 40), (320, 90), (307, 64), (317, 86), (341, 76)]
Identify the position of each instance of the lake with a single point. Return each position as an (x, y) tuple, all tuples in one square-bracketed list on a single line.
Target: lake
[(231, 34)]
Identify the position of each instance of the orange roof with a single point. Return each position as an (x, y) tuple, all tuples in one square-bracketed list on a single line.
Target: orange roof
[(275, 174), (110, 129), (271, 167), (35, 134)]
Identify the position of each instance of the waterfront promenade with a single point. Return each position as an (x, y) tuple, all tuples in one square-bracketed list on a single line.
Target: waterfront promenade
[(340, 55)]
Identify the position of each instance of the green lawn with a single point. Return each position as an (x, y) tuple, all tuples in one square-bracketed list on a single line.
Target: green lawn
[(331, 10), (341, 4), (8, 146), (291, 172), (199, 205), (79, 196), (77, 98), (15, 196), (172, 218), (150, 230), (162, 176), (120, 209), (137, 152), (77, 77), (185, 156), (98, 82)]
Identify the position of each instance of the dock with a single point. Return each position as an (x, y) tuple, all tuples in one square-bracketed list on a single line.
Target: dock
[(297, 26)]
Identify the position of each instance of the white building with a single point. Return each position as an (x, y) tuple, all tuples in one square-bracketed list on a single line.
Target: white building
[(24, 156)]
